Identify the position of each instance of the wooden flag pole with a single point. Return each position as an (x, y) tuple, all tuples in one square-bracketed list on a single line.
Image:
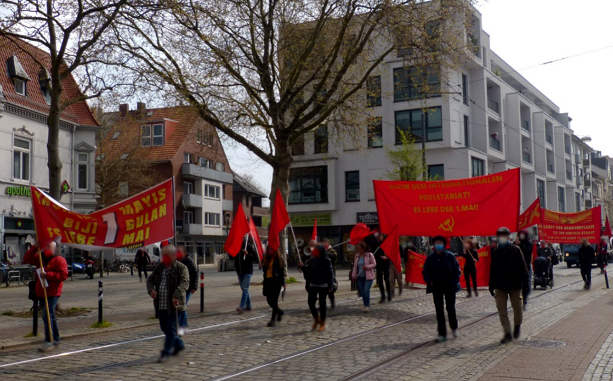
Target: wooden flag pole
[(42, 269)]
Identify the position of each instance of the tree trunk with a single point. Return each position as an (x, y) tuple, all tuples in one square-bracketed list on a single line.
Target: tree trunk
[(54, 162), (280, 180)]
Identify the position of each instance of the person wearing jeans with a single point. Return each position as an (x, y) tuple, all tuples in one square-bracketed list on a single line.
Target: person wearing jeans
[(363, 273), (243, 263)]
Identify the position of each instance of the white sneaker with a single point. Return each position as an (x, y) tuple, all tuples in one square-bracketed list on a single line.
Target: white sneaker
[(440, 339), (366, 309), (455, 333), (46, 347)]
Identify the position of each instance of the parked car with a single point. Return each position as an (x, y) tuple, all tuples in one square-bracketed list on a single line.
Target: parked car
[(571, 254)]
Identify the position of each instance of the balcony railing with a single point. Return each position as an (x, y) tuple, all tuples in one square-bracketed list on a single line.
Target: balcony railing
[(526, 158), (493, 105), (495, 144), (567, 150), (525, 124), (569, 176), (549, 138), (550, 168), (579, 181)]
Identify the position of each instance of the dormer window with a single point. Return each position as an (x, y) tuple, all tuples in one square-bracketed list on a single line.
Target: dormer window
[(20, 86), (152, 134), (18, 75), (44, 80)]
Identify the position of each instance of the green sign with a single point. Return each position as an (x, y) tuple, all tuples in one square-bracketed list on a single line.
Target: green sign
[(18, 191), (309, 219)]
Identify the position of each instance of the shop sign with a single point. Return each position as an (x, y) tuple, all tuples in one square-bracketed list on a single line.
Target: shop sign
[(309, 219), (18, 191), (368, 218)]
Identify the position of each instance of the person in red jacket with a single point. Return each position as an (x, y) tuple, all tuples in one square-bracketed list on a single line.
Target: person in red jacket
[(55, 272)]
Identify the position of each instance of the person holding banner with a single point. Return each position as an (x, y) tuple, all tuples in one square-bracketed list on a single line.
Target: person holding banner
[(442, 276), (508, 280), (363, 272), (471, 257), (167, 285), (243, 263), (586, 258), (275, 274), (525, 245), (53, 274), (184, 258)]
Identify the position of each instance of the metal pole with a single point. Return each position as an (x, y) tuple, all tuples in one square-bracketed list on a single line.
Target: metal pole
[(201, 291), (101, 268), (423, 146), (35, 318), (100, 297), (606, 277)]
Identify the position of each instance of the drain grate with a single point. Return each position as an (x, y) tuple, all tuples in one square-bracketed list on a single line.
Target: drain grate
[(542, 343)]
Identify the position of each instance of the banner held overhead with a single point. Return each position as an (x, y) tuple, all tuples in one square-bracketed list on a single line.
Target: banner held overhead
[(570, 227)]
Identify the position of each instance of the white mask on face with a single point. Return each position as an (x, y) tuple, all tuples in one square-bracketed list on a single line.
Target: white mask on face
[(503, 240)]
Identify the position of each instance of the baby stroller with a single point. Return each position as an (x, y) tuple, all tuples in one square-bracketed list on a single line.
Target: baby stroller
[(542, 273)]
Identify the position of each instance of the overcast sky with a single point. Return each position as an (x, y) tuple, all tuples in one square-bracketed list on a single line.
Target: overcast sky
[(527, 33)]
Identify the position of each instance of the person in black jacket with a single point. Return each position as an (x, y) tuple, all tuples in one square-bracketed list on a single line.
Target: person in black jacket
[(586, 258), (508, 277), (525, 245), (471, 257), (243, 263), (141, 259), (183, 257), (442, 276), (546, 252), (319, 276), (275, 274), (383, 267), (333, 257)]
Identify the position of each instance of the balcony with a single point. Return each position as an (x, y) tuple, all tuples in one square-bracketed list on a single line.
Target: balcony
[(567, 150), (493, 105), (259, 211), (526, 158), (192, 171), (525, 125), (550, 168), (569, 176), (192, 229), (579, 181), (191, 200), (549, 138)]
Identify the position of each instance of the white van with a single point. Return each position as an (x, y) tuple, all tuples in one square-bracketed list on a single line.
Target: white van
[(129, 254)]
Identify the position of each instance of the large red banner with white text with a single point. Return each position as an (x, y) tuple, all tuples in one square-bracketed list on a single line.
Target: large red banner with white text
[(474, 206), (140, 220), (570, 227)]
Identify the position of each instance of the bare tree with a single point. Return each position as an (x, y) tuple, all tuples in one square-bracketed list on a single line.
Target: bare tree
[(68, 31)]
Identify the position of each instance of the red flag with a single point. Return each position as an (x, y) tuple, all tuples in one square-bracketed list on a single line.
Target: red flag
[(534, 252), (239, 228), (415, 266), (278, 221), (483, 267), (358, 233), (571, 227), (607, 227), (314, 234), (391, 247), (256, 238), (531, 216)]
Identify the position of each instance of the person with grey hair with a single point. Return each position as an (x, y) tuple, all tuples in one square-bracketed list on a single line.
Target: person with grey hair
[(167, 285)]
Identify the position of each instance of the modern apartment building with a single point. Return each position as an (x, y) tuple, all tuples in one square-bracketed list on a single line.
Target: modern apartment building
[(24, 107), (485, 119)]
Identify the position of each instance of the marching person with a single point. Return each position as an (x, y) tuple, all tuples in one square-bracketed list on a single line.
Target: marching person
[(396, 275), (54, 272), (603, 253), (493, 244), (586, 258), (333, 257), (363, 272), (383, 268), (168, 285), (406, 255), (184, 258), (508, 277), (525, 245), (142, 260), (471, 257), (442, 276), (274, 280), (546, 252), (243, 263), (319, 276)]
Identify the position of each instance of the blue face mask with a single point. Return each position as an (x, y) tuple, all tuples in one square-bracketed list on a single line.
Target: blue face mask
[(439, 247)]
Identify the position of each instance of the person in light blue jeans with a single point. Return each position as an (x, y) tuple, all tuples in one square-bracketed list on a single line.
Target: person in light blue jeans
[(243, 263), (363, 272)]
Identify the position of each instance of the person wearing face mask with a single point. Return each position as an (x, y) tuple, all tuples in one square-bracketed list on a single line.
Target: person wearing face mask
[(319, 275), (168, 285), (525, 245), (442, 276), (508, 280), (54, 272), (471, 257), (183, 257), (586, 258), (274, 280)]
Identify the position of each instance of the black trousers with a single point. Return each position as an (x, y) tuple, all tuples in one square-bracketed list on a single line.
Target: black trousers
[(316, 293), (444, 299), (142, 268), (470, 273), (383, 278), (586, 274), (272, 290)]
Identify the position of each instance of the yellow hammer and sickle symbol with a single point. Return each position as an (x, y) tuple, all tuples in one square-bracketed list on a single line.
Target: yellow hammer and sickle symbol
[(536, 213), (447, 225)]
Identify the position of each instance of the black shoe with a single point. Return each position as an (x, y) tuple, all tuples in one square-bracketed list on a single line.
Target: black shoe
[(280, 315), (163, 358), (332, 304), (177, 351), (389, 297), (476, 294), (382, 300), (525, 307), (271, 323), (517, 331), (506, 339)]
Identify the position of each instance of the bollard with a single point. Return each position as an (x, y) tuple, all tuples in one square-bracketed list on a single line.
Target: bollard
[(201, 291), (35, 318), (606, 277), (100, 297)]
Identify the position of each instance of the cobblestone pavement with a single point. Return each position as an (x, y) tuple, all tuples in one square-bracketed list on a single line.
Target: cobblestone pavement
[(243, 348)]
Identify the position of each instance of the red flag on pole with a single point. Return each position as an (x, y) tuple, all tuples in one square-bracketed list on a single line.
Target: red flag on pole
[(314, 234), (358, 233), (256, 238), (607, 227), (391, 247), (239, 228), (534, 252), (278, 221)]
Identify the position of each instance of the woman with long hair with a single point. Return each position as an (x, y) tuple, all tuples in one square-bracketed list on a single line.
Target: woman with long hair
[(274, 280), (320, 281), (471, 257), (363, 272)]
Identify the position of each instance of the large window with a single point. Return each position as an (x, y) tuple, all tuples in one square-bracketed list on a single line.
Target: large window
[(152, 135), (20, 86), (436, 172), (477, 167), (375, 132), (466, 131), (212, 219), (415, 82), (465, 89), (561, 200), (203, 137), (410, 121), (188, 158), (308, 185), (21, 159), (205, 163), (211, 191), (82, 166), (352, 186), (188, 188), (219, 166), (373, 91), (320, 139), (188, 217), (540, 192), (577, 202)]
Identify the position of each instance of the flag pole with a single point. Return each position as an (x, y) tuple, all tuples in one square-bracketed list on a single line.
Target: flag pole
[(40, 261), (342, 243), (295, 241)]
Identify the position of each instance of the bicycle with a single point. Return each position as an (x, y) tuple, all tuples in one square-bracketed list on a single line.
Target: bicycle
[(28, 276)]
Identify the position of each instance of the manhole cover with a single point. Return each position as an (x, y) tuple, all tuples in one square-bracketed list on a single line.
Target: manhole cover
[(542, 343)]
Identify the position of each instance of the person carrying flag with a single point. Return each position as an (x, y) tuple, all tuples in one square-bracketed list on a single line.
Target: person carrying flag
[(243, 263), (275, 274), (525, 245), (319, 276), (471, 257), (333, 257)]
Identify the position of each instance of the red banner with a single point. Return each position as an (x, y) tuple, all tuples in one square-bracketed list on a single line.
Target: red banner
[(474, 206), (414, 267), (483, 268), (140, 220), (531, 216), (570, 227)]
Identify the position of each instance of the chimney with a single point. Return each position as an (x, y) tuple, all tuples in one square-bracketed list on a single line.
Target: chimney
[(123, 109), (141, 107)]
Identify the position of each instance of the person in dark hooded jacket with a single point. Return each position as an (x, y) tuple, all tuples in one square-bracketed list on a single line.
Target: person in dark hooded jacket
[(319, 276), (586, 258), (183, 257), (525, 245), (333, 257), (243, 263)]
